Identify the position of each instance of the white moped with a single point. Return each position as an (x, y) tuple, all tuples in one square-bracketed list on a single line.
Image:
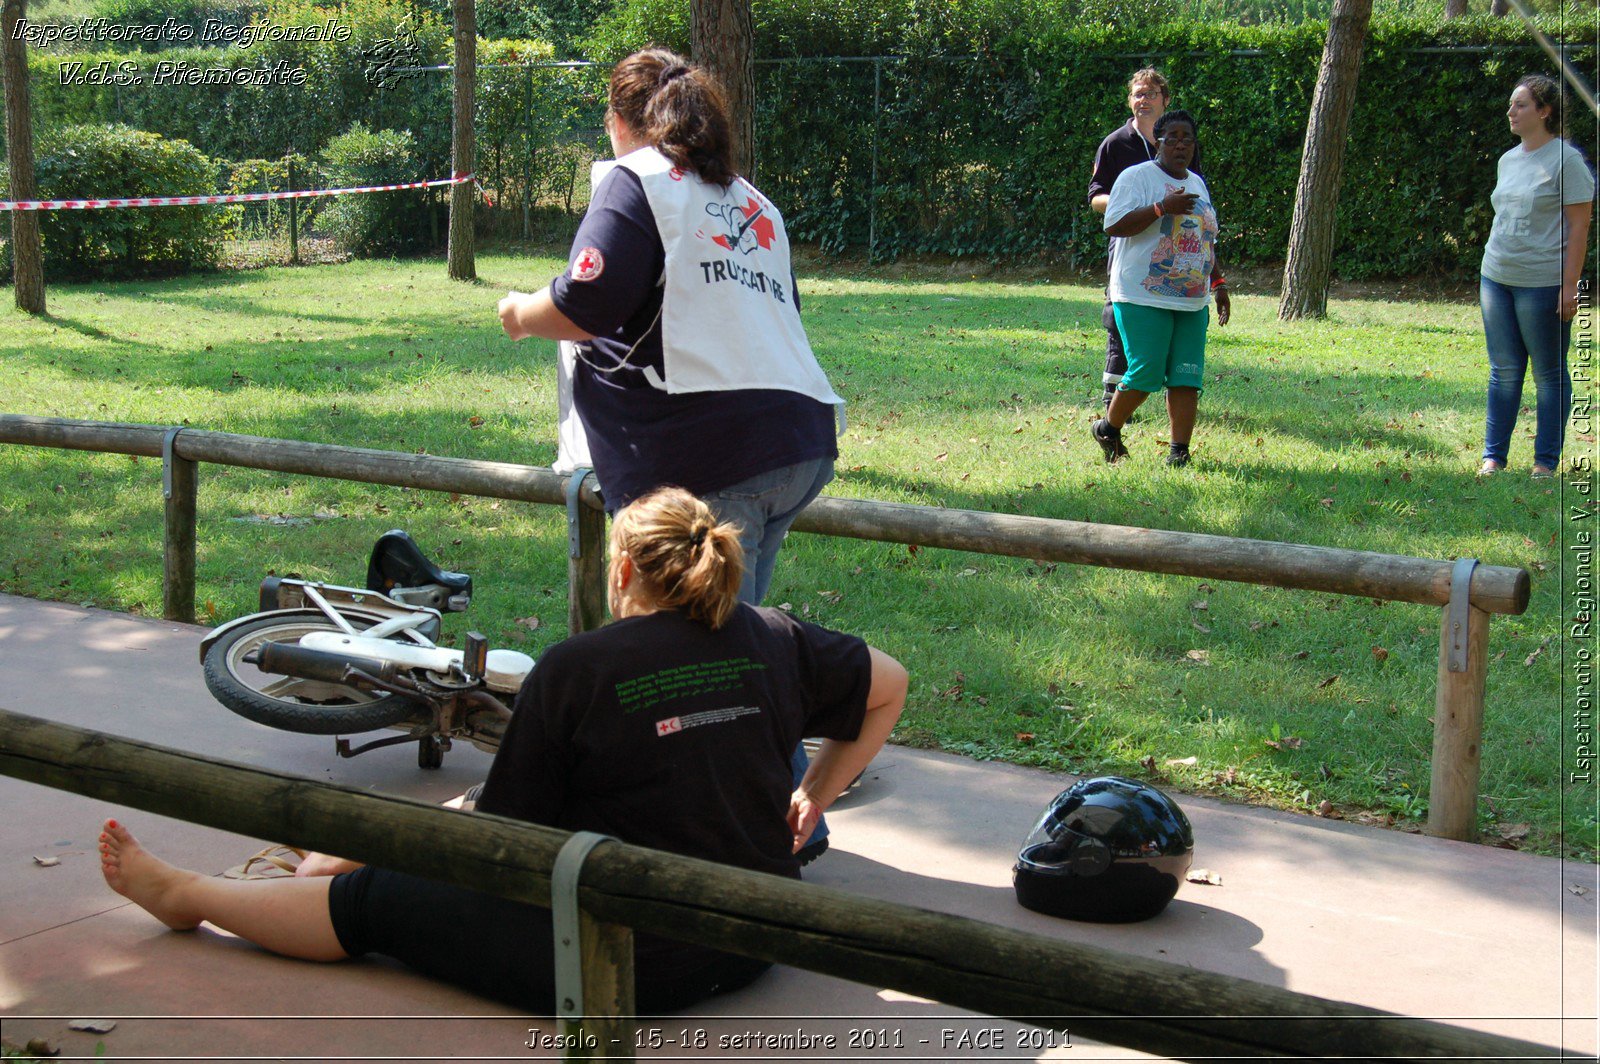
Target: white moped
[(329, 660)]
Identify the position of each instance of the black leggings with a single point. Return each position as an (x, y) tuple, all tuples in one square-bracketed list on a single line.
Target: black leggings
[(1116, 358), (505, 949)]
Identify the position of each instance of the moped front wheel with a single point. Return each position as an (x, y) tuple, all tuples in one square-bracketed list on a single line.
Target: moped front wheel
[(311, 707)]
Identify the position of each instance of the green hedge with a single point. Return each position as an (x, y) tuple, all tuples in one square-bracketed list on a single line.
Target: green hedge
[(988, 113), (267, 121), (76, 162), (988, 124)]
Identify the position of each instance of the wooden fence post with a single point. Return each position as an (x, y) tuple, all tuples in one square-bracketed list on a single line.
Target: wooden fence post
[(606, 1030), (179, 490), (586, 559), (1458, 729)]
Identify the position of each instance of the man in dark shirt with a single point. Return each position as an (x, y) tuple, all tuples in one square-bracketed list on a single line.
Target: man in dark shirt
[(1130, 144)]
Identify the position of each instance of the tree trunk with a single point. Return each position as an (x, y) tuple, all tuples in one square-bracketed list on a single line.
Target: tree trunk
[(27, 254), (1499, 8), (1316, 198), (722, 39), (1455, 8), (462, 266)]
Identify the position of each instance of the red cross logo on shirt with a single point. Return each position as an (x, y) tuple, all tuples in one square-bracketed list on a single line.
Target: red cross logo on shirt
[(668, 726), (588, 264)]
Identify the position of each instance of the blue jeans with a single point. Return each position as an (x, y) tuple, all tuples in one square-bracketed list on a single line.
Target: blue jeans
[(1523, 326), (764, 507)]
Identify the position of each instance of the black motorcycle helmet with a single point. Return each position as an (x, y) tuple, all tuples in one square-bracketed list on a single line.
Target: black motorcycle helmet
[(1108, 849)]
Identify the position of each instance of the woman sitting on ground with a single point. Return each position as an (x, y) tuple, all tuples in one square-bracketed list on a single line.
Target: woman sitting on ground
[(600, 741)]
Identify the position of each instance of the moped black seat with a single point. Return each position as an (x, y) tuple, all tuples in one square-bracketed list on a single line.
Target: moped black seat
[(397, 561)]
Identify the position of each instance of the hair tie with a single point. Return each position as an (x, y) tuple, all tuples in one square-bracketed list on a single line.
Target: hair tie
[(697, 537)]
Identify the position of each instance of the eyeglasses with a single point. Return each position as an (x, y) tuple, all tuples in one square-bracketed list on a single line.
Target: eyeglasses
[(1177, 140)]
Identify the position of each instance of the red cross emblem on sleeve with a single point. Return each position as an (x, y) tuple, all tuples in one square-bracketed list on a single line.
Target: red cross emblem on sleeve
[(668, 726), (588, 264)]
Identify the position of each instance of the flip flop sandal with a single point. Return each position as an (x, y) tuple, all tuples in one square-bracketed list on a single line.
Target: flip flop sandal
[(274, 861)]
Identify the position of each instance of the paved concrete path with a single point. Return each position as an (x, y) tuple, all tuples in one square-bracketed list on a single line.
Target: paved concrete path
[(1486, 938)]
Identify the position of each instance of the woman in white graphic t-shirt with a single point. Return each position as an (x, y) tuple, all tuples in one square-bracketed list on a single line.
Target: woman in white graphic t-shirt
[(1164, 276)]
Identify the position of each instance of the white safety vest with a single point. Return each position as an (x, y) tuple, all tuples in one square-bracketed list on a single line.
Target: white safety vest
[(728, 316)]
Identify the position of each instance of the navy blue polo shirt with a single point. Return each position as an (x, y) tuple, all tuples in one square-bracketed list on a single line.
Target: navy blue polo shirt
[(642, 438)]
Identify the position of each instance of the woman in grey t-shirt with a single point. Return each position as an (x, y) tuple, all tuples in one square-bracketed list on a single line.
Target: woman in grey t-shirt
[(1543, 197)]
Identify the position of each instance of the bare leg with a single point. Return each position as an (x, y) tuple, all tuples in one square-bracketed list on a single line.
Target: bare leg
[(1181, 406), (288, 916), (1123, 404), (325, 864)]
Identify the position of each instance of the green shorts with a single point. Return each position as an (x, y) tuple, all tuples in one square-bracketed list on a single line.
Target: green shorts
[(1165, 348)]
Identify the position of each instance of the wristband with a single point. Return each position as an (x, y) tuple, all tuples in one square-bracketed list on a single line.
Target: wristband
[(1220, 282), (1157, 208)]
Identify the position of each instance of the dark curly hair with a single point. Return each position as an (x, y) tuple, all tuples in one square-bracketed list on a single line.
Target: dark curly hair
[(1180, 115), (1546, 92)]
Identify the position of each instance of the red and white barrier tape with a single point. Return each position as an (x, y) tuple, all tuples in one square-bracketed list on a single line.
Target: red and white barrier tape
[(241, 197)]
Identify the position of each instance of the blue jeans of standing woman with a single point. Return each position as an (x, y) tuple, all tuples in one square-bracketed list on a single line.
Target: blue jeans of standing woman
[(764, 507), (1522, 327)]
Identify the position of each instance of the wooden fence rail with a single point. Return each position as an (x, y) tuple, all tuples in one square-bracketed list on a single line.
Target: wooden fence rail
[(1468, 598), (1126, 1000)]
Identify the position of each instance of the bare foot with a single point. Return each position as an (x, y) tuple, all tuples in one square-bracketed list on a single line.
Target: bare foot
[(144, 878), (324, 864)]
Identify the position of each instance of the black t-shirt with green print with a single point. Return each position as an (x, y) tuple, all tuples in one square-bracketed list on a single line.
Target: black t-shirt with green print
[(664, 733)]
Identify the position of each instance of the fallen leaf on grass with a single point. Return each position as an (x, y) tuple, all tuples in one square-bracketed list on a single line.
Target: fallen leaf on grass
[(1148, 763), (1513, 832), (1201, 656), (968, 572), (1529, 660), (93, 1026), (941, 456), (1228, 777), (1256, 626), (1191, 761), (1301, 655), (529, 623), (1288, 742), (1202, 629), (1329, 682), (1199, 604), (1325, 809), (1025, 736), (1380, 655), (1204, 875), (46, 862)]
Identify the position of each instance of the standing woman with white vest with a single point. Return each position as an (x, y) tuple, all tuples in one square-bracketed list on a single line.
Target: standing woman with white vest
[(693, 368)]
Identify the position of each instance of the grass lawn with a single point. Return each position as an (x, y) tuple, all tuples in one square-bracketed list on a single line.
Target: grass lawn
[(1358, 432)]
